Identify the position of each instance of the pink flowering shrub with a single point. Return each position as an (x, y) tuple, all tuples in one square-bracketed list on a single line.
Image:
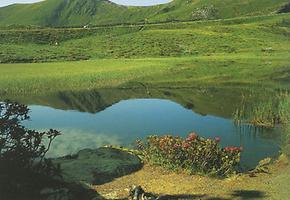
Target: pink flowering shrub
[(194, 153)]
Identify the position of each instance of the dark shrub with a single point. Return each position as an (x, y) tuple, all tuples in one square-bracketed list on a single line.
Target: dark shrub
[(23, 167)]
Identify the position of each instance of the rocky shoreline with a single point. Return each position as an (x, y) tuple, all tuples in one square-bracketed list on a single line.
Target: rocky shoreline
[(98, 166), (91, 167), (109, 173)]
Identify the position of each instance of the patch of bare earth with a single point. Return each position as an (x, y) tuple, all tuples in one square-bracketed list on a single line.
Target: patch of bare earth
[(274, 185)]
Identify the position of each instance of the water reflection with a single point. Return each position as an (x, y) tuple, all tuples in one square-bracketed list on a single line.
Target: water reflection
[(90, 119), (124, 122), (74, 140), (206, 101)]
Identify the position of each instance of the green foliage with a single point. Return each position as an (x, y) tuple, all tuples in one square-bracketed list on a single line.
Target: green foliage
[(195, 154), (22, 151)]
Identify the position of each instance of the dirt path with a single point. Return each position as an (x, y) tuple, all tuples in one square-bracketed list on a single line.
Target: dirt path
[(275, 185)]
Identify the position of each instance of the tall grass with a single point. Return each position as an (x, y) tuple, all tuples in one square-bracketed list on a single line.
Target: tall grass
[(273, 111), (269, 113)]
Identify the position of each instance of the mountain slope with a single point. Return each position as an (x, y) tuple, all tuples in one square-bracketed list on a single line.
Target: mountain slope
[(100, 12), (259, 35)]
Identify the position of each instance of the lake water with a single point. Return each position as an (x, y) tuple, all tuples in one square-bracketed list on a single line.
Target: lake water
[(122, 122)]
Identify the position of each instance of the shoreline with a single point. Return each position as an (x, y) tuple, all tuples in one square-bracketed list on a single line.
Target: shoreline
[(159, 181)]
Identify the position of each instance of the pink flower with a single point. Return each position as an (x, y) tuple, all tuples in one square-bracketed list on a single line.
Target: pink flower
[(191, 137), (233, 148), (227, 148), (186, 145), (217, 139), (176, 146)]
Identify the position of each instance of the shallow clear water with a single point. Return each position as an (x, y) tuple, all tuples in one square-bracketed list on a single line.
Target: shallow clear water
[(128, 120)]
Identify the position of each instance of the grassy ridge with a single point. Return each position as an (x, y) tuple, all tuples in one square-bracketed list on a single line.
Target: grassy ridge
[(100, 12), (263, 35)]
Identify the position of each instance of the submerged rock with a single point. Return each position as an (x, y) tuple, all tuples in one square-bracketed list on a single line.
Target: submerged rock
[(98, 166)]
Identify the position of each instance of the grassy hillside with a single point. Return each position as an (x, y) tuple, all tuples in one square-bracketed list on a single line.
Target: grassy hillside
[(263, 36), (241, 51), (100, 12)]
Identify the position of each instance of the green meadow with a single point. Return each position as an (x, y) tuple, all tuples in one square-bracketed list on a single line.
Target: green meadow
[(235, 70), (245, 51)]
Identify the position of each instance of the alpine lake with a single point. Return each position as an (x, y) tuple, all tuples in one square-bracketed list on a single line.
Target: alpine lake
[(94, 118)]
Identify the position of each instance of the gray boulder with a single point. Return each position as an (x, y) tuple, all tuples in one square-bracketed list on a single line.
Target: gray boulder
[(98, 166)]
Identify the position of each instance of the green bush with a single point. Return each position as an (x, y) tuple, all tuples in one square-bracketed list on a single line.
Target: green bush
[(196, 154)]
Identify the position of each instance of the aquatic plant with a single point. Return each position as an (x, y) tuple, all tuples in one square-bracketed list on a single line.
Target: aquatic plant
[(269, 113), (195, 154), (274, 111)]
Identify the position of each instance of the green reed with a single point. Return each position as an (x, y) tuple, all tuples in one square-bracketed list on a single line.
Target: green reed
[(269, 112)]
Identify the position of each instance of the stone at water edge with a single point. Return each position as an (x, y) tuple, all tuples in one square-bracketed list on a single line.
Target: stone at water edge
[(262, 167), (137, 193), (265, 162), (98, 166)]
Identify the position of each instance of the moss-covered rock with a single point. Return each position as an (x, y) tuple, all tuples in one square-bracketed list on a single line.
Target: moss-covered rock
[(98, 166)]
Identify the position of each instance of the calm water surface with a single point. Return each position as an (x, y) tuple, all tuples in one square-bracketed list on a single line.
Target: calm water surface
[(128, 120)]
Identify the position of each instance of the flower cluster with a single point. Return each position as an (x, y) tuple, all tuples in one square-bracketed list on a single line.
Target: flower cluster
[(191, 137), (194, 153), (218, 139)]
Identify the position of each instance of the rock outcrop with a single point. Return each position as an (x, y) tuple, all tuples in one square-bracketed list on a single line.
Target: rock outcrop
[(98, 166)]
